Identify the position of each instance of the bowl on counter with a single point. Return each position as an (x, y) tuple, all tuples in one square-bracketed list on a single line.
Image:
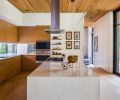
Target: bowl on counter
[(66, 65)]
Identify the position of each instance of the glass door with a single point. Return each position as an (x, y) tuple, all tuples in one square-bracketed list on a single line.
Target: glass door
[(117, 42)]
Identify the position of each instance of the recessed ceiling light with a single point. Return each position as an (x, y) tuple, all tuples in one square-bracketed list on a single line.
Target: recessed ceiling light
[(72, 0), (27, 10)]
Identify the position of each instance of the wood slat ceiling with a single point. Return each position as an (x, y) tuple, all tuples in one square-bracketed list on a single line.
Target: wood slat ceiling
[(94, 8)]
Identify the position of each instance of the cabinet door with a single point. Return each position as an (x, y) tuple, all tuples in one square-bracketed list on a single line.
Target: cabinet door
[(2, 70), (22, 34), (27, 34), (9, 67), (28, 62), (31, 34), (2, 31), (41, 34), (11, 33)]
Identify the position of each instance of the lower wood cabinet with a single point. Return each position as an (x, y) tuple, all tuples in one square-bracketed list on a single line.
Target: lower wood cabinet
[(14, 65), (9, 67), (28, 62)]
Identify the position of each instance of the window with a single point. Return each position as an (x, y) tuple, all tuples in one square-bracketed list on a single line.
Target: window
[(3, 48), (8, 48), (12, 48), (31, 48), (117, 42)]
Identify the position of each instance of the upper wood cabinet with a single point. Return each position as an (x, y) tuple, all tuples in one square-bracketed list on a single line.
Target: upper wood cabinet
[(8, 32), (30, 34), (12, 33), (27, 34), (3, 31), (41, 34)]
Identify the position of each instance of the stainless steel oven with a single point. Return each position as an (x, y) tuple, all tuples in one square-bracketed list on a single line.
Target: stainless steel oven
[(42, 51)]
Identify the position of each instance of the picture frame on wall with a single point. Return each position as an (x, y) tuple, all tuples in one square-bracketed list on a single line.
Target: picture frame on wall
[(68, 44), (76, 44), (96, 44), (68, 35), (77, 35)]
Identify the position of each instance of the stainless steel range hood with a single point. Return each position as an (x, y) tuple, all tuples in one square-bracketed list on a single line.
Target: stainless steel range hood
[(55, 17)]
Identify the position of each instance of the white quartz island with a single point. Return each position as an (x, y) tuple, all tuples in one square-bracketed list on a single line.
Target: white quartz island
[(51, 82)]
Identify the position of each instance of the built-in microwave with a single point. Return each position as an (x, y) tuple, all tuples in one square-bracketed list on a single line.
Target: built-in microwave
[(42, 45)]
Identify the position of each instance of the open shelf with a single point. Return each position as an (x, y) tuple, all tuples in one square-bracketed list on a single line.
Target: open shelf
[(57, 49), (57, 44)]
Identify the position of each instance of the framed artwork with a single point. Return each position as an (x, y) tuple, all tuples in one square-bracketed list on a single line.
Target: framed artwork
[(76, 44), (68, 44), (77, 35), (69, 35), (96, 44)]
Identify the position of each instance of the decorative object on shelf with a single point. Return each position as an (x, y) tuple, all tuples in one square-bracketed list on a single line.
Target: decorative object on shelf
[(68, 35), (57, 53), (77, 35), (96, 44), (56, 48), (56, 38), (76, 44), (57, 43), (68, 44)]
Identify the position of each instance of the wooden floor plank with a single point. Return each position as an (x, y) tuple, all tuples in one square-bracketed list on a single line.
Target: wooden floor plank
[(15, 88), (99, 71)]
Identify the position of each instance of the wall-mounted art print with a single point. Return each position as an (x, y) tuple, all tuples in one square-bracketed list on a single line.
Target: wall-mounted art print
[(76, 44), (68, 35), (77, 35), (68, 44), (96, 44)]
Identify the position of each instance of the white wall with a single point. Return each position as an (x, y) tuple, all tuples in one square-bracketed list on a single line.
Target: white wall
[(9, 13), (22, 48), (104, 30), (74, 22), (33, 19), (68, 21)]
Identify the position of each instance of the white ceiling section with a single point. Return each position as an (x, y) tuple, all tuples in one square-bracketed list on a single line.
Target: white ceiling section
[(9, 13), (33, 19), (66, 19)]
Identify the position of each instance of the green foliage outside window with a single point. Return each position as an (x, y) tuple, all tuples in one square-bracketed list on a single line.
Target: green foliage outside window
[(8, 48)]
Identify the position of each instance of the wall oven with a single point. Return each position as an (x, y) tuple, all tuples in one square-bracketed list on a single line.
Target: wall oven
[(42, 51)]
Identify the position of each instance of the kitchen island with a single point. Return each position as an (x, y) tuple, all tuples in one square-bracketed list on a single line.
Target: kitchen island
[(51, 82)]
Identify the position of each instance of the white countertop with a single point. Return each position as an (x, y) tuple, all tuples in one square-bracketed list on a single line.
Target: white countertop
[(9, 55), (6, 56), (55, 69)]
